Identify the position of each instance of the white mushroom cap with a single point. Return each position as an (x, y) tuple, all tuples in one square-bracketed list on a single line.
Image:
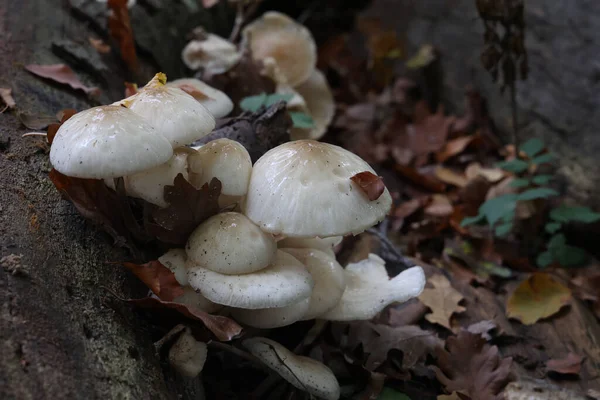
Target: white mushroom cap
[(188, 355), (284, 282), (369, 290), (291, 45), (215, 101), (303, 189), (195, 301), (214, 55), (174, 113), (324, 244), (320, 104), (175, 260), (107, 142), (329, 278), (226, 160), (268, 318), (229, 243), (302, 372)]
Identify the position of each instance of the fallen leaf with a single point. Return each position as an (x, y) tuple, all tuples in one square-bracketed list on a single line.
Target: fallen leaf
[(482, 328), (392, 394), (158, 278), (453, 396), (63, 115), (454, 147), (6, 96), (537, 297), (408, 208), (451, 177), (425, 56), (99, 45), (427, 181), (194, 92), (440, 206), (492, 175), (473, 367), (209, 3), (570, 365), (130, 89), (119, 26), (188, 207), (473, 257), (443, 301), (371, 184), (61, 73), (408, 313), (36, 122), (429, 132)]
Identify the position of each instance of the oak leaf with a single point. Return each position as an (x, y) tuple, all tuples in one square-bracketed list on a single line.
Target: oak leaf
[(443, 301), (61, 73), (371, 184)]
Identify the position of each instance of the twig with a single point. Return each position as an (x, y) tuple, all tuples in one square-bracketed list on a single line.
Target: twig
[(513, 109), (241, 16), (34, 134), (391, 250)]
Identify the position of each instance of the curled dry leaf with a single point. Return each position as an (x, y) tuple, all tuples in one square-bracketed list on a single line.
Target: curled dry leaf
[(7, 99), (454, 147), (443, 301), (371, 184), (426, 181), (537, 297), (451, 177), (440, 206), (61, 73), (570, 365), (194, 92), (473, 367), (36, 122), (158, 278), (409, 207), (119, 26), (99, 45)]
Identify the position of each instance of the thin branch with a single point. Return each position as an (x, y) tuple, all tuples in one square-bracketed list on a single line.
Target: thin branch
[(242, 16), (390, 249)]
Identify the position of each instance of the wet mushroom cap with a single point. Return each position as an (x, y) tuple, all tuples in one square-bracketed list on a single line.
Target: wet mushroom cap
[(324, 244), (107, 142), (215, 101), (214, 54), (175, 260), (268, 318), (303, 189), (320, 104), (188, 355)]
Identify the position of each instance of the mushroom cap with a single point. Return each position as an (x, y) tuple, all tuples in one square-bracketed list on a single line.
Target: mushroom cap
[(303, 189), (195, 301), (329, 278), (175, 114), (302, 372), (226, 160), (284, 282), (215, 55), (320, 104), (268, 318), (175, 260), (324, 244), (188, 355), (369, 290), (107, 142), (229, 243), (215, 101), (291, 45)]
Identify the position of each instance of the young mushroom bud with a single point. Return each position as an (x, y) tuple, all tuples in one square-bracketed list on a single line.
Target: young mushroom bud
[(324, 244), (213, 54), (291, 45), (187, 355), (175, 114), (107, 142), (229, 243), (369, 290), (215, 101), (319, 105), (303, 189), (302, 372)]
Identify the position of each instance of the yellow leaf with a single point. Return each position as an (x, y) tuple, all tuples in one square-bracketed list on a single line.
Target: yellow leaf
[(451, 177), (537, 297), (425, 56), (443, 301)]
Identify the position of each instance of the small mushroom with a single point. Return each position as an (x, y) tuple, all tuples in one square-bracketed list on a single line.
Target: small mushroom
[(213, 54), (329, 278), (175, 114), (226, 160), (290, 44), (324, 244), (303, 189), (229, 243), (302, 372), (268, 318), (286, 281), (369, 290), (215, 101), (319, 105), (188, 355), (107, 142)]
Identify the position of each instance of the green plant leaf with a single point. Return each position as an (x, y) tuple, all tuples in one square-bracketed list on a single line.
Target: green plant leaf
[(570, 256), (519, 183), (302, 120), (495, 269), (391, 394), (503, 229), (544, 259), (574, 214), (553, 227), (516, 165), (557, 241), (537, 193), (532, 147), (542, 179), (543, 159), (472, 220), (253, 103), (496, 208), (275, 97)]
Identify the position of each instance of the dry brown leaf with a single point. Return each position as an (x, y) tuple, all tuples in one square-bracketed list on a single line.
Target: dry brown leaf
[(158, 278), (6, 96), (194, 92), (453, 147), (408, 313), (99, 45), (130, 89), (443, 301), (451, 177), (429, 132), (61, 73), (440, 206), (371, 184), (36, 122), (426, 181), (472, 367), (453, 396), (408, 208), (570, 365), (62, 115), (537, 297), (119, 26), (493, 175)]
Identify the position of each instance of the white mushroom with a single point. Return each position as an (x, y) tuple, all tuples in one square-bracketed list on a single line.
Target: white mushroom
[(215, 101), (291, 45), (268, 318), (226, 160), (319, 105), (195, 301), (107, 142), (329, 278), (214, 54), (284, 282), (324, 244), (303, 189), (188, 355), (302, 372), (175, 114), (229, 243), (369, 290)]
